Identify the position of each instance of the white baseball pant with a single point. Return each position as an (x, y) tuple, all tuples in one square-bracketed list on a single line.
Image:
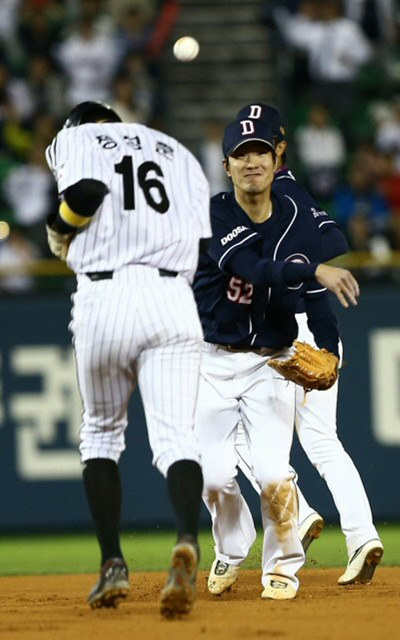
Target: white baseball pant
[(316, 427), (238, 387), (137, 327)]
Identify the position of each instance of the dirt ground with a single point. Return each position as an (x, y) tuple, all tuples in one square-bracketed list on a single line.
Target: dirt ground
[(54, 608)]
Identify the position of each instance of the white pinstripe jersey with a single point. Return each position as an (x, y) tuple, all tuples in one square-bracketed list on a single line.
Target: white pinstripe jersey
[(157, 207)]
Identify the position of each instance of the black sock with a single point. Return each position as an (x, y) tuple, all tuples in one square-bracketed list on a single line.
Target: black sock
[(185, 485), (103, 490)]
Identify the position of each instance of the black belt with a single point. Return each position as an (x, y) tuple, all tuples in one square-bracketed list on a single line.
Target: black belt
[(261, 351), (100, 275), (107, 275), (165, 273)]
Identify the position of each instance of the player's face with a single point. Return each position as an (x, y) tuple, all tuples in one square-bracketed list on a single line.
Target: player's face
[(251, 168)]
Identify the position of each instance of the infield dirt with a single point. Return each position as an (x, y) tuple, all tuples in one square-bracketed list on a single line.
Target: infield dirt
[(54, 608)]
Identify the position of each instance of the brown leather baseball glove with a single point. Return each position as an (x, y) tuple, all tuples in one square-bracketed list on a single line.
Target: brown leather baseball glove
[(308, 367)]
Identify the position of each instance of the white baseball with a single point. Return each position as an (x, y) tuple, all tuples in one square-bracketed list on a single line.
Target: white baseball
[(186, 49)]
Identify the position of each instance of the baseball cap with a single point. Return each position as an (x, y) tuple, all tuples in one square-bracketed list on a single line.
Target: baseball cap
[(266, 114), (241, 131)]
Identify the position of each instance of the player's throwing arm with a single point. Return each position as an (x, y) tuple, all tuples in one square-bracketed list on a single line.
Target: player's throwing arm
[(340, 281)]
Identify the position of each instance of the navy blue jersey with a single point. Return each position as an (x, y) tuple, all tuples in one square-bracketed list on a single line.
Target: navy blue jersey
[(242, 311), (333, 241)]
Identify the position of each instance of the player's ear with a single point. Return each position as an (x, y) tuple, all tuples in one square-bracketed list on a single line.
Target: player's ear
[(225, 162), (280, 148)]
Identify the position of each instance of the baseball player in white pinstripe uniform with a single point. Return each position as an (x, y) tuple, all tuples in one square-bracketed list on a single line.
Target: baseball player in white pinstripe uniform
[(134, 206)]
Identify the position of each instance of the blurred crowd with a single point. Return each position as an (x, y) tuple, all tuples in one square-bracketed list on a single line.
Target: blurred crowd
[(53, 55), (342, 105), (339, 71)]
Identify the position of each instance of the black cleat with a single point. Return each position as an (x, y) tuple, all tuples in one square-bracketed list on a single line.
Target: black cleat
[(113, 585)]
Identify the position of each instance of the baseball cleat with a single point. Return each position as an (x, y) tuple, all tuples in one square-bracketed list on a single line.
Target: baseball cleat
[(362, 564), (222, 576), (113, 585), (310, 529), (279, 588), (179, 593)]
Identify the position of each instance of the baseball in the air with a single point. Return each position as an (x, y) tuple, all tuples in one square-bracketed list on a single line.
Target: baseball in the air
[(186, 49)]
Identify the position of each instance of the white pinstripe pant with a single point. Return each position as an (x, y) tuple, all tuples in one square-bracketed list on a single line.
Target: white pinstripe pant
[(137, 327)]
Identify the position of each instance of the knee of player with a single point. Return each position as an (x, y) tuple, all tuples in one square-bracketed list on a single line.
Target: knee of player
[(215, 479), (324, 451), (280, 499), (267, 474), (102, 439)]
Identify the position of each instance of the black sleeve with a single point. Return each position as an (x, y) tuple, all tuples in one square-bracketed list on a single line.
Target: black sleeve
[(323, 323), (333, 243), (265, 272), (204, 245), (84, 198)]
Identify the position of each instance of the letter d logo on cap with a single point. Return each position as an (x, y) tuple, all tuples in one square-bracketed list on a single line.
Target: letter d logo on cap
[(247, 127)]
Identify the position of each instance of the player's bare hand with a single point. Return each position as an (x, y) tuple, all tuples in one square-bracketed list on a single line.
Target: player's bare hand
[(340, 281)]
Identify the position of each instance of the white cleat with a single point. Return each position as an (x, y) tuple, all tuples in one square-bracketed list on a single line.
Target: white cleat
[(222, 576), (279, 588), (362, 564), (310, 529)]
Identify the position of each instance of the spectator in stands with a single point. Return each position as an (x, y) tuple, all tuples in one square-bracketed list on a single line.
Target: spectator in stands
[(8, 25), (132, 31), (376, 18), (44, 128), (389, 184), (88, 58), (15, 138), (336, 48), (210, 157), (134, 64), (13, 93), (306, 11), (321, 150), (390, 60), (388, 131), (41, 89), (39, 27), (124, 99), (29, 190), (364, 155), (16, 251), (362, 211)]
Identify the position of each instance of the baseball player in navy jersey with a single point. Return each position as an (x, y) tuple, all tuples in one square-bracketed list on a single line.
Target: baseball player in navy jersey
[(264, 256), (134, 206), (315, 421)]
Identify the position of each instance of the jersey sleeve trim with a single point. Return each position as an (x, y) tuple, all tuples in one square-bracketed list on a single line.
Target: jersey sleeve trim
[(314, 291), (321, 224), (288, 175)]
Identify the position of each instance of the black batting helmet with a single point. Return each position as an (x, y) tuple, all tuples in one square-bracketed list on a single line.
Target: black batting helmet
[(90, 112)]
